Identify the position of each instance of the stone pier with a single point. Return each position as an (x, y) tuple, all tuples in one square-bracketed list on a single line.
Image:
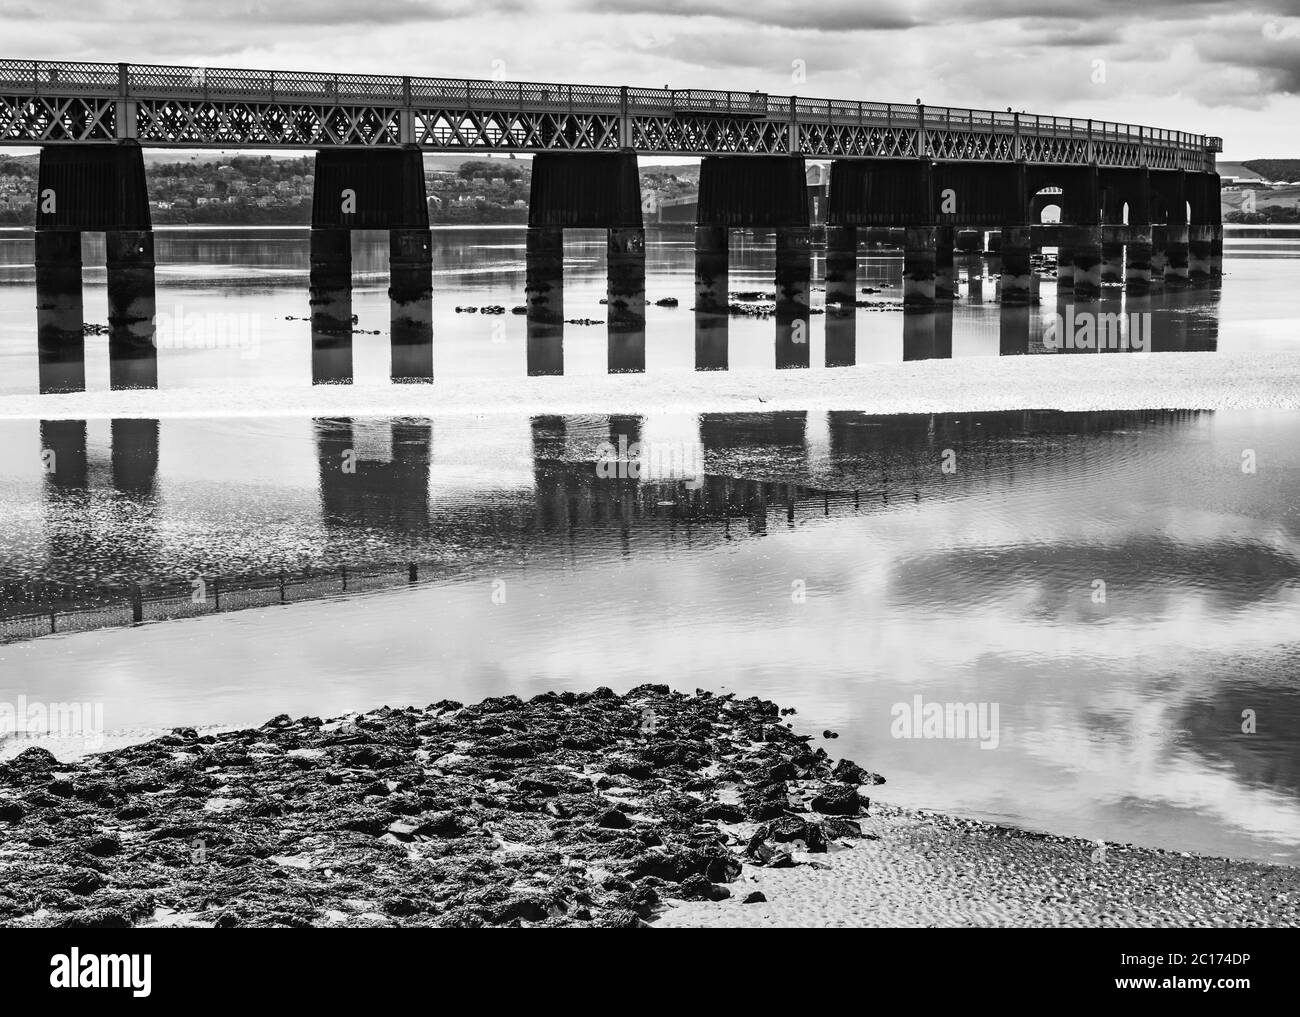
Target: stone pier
[(625, 300), (410, 294), (60, 342), (330, 282), (711, 282), (793, 284), (544, 298)]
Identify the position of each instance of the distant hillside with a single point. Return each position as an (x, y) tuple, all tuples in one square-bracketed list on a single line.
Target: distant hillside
[(1275, 169)]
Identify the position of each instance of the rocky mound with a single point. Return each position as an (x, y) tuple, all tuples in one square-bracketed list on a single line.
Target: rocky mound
[(570, 809)]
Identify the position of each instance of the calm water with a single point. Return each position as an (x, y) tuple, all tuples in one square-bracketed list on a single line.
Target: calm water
[(823, 560)]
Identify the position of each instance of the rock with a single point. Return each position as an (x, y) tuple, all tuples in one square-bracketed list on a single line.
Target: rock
[(441, 824), (11, 812), (838, 800), (786, 829), (756, 897), (850, 772), (836, 828), (612, 819), (104, 845), (34, 760), (722, 870), (84, 881), (723, 813), (95, 918)]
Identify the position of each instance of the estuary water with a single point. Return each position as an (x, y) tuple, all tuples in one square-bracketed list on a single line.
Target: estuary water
[(1117, 595)]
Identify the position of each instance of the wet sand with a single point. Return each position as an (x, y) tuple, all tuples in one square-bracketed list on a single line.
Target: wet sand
[(1151, 381), (932, 870)]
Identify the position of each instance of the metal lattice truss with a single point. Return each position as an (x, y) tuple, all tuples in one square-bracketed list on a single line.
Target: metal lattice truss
[(703, 135), (50, 119), (44, 102), (179, 122), (521, 130)]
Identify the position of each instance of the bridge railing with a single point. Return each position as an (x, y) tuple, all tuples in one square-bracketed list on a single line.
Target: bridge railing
[(154, 81), (43, 77)]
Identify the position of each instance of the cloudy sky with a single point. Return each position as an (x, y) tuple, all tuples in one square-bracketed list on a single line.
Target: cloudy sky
[(1224, 67)]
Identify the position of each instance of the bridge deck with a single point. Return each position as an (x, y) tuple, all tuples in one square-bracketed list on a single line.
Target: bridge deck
[(45, 102)]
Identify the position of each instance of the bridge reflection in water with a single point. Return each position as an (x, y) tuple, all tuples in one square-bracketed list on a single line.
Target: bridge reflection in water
[(377, 497)]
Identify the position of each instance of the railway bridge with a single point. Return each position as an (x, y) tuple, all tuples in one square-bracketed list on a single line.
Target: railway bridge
[(1138, 204)]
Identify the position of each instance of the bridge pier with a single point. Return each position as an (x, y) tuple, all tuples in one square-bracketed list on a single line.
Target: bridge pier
[(330, 285), (1216, 252), (1112, 264), (1200, 240), (974, 279), (544, 298), (1159, 256), (841, 295), (410, 295), (1016, 283), (1137, 260), (625, 299), (763, 192), (585, 190), (60, 342), (376, 189), (1064, 262), (1176, 274), (711, 294), (1013, 330), (1087, 262), (92, 188), (132, 352), (945, 284), (919, 262), (793, 283)]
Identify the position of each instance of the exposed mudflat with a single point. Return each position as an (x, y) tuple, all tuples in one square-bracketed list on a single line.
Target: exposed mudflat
[(653, 808)]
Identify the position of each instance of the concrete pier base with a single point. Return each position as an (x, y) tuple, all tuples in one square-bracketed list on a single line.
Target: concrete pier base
[(974, 270), (1216, 253), (1199, 244), (1064, 266), (132, 352), (919, 268), (331, 305), (544, 297), (918, 335), (841, 264), (793, 286), (625, 300), (1137, 260), (1015, 283), (945, 280), (410, 295), (60, 342), (1159, 256), (711, 283), (841, 295), (1176, 274), (1086, 242), (1112, 264), (1013, 330)]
